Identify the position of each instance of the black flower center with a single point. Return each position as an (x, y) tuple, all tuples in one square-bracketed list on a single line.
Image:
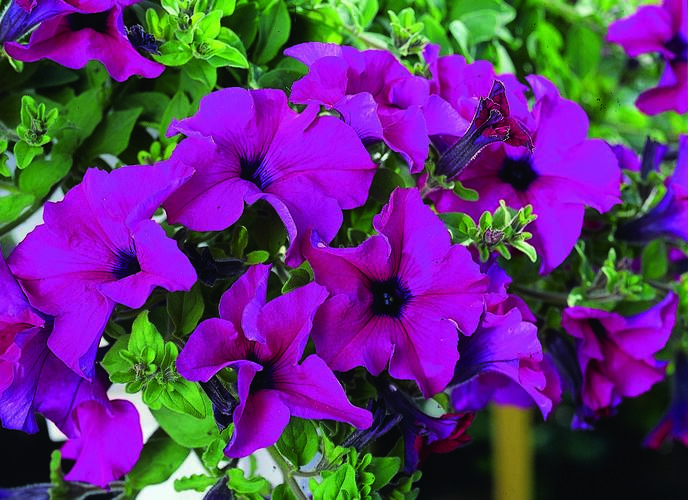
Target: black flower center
[(253, 170), (263, 379), (518, 172), (678, 45), (389, 297), (97, 21), (125, 264)]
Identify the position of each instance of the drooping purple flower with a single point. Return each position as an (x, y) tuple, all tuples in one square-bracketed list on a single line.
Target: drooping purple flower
[(502, 362), (99, 247), (21, 16), (422, 433), (674, 425), (616, 353), (264, 341), (373, 92), (399, 298), (670, 216), (105, 436), (92, 30), (564, 174), (663, 29), (249, 145)]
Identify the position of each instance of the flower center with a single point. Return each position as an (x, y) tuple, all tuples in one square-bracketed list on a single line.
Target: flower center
[(389, 297), (125, 264), (97, 21), (518, 172), (678, 45), (253, 170)]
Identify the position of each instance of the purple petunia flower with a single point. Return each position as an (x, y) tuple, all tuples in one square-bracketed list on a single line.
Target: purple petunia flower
[(91, 30), (670, 216), (264, 342), (616, 353), (674, 425), (663, 29), (373, 92), (564, 174), (249, 145), (399, 297), (105, 436), (97, 248), (20, 17)]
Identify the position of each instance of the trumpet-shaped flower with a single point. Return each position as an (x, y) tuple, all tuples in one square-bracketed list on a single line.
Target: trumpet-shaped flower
[(616, 353), (91, 30), (373, 92), (99, 247), (674, 424), (249, 145), (104, 436), (398, 299), (264, 342), (664, 29)]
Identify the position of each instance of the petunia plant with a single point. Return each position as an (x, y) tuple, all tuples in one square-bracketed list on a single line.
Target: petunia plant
[(304, 249)]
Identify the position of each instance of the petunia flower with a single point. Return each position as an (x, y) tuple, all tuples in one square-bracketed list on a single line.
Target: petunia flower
[(616, 353), (664, 29), (92, 30), (564, 174), (372, 91), (20, 16), (249, 145), (99, 247), (400, 298), (424, 434), (264, 342), (104, 436), (670, 216), (674, 424)]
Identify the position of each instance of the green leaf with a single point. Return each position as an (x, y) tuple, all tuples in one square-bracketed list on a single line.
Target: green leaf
[(246, 486), (160, 458), (144, 334), (299, 277), (174, 53), (274, 25), (484, 19), (244, 22), (81, 117), (282, 492), (113, 361), (526, 248), (654, 260), (196, 482), (24, 153), (384, 469), (202, 71), (187, 430), (226, 6), (214, 453), (185, 397), (12, 206), (44, 174), (208, 27), (239, 241), (299, 441), (341, 484), (223, 54), (179, 108), (112, 134), (583, 49), (186, 309), (257, 257)]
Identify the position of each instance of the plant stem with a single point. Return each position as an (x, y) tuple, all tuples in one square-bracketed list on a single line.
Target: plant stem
[(287, 473), (549, 297)]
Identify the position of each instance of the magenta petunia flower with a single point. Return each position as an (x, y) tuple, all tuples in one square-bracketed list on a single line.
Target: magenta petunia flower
[(21, 16), (264, 342), (674, 424), (563, 175), (399, 298), (33, 380), (97, 248), (92, 30), (249, 145), (670, 216), (664, 29), (616, 353), (373, 92)]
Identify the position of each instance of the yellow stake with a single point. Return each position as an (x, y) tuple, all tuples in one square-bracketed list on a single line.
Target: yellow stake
[(513, 453)]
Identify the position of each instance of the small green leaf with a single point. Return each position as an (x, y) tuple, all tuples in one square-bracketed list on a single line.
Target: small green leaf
[(113, 361), (257, 257), (239, 241), (196, 482), (274, 25), (145, 335), (299, 441), (654, 260), (283, 492), (202, 72), (526, 248), (12, 206), (299, 277), (112, 134), (340, 484), (214, 453), (185, 397), (187, 430), (174, 53), (186, 309), (384, 469), (247, 486), (24, 153), (159, 459)]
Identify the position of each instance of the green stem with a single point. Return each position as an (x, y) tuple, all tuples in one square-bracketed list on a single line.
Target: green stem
[(286, 471), (555, 298)]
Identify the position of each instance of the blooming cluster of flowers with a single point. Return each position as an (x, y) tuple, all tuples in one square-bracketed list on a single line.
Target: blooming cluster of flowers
[(414, 308)]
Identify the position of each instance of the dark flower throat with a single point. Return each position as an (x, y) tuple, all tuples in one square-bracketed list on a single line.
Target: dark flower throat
[(389, 297), (96, 22), (518, 172), (126, 264)]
